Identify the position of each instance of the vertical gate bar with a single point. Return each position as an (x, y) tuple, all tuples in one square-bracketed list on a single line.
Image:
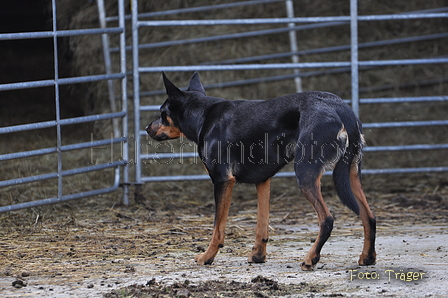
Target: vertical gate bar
[(108, 66), (293, 44), (57, 99), (354, 55), (136, 90), (124, 102)]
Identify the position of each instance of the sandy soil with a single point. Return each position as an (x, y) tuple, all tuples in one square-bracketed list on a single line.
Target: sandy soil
[(116, 251)]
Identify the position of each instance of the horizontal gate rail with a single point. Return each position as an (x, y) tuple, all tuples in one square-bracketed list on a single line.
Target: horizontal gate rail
[(62, 33), (62, 81), (288, 20), (65, 148), (289, 65), (65, 198), (292, 174), (69, 121), (62, 174)]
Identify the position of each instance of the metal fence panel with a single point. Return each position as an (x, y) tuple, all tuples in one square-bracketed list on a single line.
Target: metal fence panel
[(353, 67), (120, 137)]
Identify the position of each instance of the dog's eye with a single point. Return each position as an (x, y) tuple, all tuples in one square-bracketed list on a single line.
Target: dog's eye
[(164, 118)]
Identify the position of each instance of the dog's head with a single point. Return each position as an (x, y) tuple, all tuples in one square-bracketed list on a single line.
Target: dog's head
[(167, 126)]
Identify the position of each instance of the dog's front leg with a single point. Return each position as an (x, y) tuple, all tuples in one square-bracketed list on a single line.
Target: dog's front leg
[(258, 254), (223, 195)]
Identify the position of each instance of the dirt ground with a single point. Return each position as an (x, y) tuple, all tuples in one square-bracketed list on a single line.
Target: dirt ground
[(95, 248)]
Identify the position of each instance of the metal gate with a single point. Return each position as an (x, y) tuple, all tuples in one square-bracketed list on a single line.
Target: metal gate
[(294, 71), (291, 25), (118, 117)]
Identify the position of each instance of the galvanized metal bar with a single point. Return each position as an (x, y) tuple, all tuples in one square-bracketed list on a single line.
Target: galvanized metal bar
[(24, 127), (293, 44), (136, 89), (354, 55), (61, 81), (404, 62), (288, 65), (405, 124), (60, 174), (155, 156), (24, 154), (124, 104), (64, 148), (30, 179), (61, 33), (243, 67), (263, 21), (68, 121), (406, 147), (172, 156), (108, 66), (174, 178), (293, 174), (65, 198), (380, 171), (403, 99), (57, 100), (90, 118)]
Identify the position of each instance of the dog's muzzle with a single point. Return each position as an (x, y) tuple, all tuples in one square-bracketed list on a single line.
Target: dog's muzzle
[(153, 130)]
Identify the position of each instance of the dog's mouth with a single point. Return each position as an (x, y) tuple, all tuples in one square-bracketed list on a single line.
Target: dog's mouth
[(153, 131), (159, 132)]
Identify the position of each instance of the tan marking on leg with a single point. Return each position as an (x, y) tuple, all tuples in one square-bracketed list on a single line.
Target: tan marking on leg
[(314, 196), (258, 254), (222, 212), (368, 255)]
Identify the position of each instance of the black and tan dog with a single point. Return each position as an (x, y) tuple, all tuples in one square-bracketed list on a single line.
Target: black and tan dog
[(250, 141)]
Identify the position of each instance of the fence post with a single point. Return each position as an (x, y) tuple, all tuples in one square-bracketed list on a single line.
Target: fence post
[(293, 45), (108, 67), (354, 55), (136, 84), (124, 103), (57, 99)]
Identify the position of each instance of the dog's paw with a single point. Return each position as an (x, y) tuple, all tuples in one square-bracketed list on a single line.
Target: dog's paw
[(306, 267), (204, 259), (367, 260), (257, 258)]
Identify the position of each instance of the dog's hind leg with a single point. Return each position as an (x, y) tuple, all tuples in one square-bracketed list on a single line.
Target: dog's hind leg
[(258, 254), (368, 255), (311, 189), (223, 195)]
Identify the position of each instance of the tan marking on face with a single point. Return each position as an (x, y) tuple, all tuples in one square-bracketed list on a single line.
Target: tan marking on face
[(170, 130)]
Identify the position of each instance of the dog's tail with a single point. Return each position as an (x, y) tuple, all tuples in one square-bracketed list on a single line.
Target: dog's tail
[(350, 161)]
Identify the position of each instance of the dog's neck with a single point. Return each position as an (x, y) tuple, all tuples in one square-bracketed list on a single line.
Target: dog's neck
[(194, 116)]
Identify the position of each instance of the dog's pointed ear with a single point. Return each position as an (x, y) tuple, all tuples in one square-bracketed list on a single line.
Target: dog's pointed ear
[(171, 90), (195, 84)]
